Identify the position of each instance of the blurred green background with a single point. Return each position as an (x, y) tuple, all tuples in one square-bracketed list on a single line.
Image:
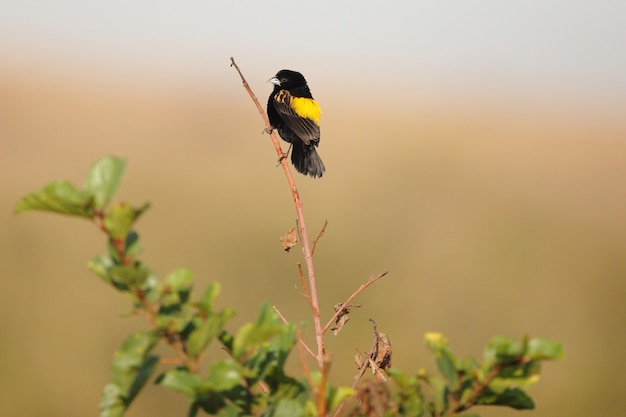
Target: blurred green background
[(476, 152)]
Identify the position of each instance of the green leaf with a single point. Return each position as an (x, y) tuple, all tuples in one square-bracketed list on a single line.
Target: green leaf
[(518, 375), (103, 179), (143, 374), (469, 365), (101, 266), (411, 402), (119, 220), (439, 389), (513, 397), (193, 410), (208, 324), (132, 244), (178, 286), (231, 410), (287, 407), (251, 335), (127, 277), (290, 399), (111, 402), (543, 349), (176, 313), (132, 367), (339, 395), (445, 360), (202, 335), (263, 348), (503, 350), (131, 356), (224, 375), (208, 297), (182, 381), (59, 197)]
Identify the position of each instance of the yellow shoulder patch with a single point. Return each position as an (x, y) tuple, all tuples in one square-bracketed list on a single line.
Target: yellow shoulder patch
[(307, 108)]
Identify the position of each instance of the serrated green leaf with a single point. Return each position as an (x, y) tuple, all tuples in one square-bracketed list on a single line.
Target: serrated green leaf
[(59, 197), (182, 381), (263, 348), (513, 397), (130, 357), (131, 369), (202, 335), (250, 335), (126, 277), (224, 375), (119, 220), (103, 179), (543, 349), (263, 362)]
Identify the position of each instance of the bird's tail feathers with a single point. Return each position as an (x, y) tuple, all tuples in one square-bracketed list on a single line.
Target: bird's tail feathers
[(306, 160)]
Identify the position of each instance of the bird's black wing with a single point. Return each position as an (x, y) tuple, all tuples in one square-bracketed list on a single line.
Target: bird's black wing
[(307, 129)]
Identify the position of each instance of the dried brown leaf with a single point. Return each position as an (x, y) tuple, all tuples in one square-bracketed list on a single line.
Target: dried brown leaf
[(289, 240), (374, 400), (383, 351), (342, 317)]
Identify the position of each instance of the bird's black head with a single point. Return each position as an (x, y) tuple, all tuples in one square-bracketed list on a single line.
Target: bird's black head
[(287, 79)]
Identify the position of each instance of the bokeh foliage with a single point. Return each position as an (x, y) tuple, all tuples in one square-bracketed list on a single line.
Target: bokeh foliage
[(251, 379)]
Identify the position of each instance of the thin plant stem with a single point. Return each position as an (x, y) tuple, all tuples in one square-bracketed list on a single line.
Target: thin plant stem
[(319, 235), (306, 245), (369, 282), (299, 336)]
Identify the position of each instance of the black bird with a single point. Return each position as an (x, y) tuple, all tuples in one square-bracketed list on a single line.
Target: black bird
[(296, 115)]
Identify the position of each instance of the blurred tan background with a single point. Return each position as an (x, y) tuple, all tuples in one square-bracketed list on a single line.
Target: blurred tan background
[(493, 190)]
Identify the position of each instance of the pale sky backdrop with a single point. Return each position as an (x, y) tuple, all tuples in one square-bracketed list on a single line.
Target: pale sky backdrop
[(570, 44)]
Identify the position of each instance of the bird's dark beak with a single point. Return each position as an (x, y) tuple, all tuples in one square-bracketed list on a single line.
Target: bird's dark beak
[(274, 81)]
